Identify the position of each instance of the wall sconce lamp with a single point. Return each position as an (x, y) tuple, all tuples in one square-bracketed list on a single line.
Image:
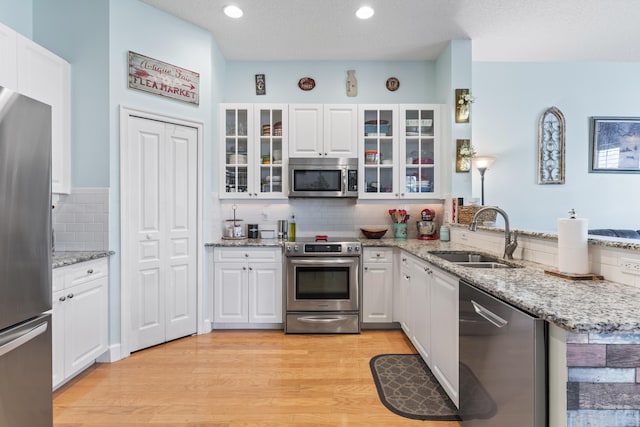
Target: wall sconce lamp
[(482, 163), (463, 100)]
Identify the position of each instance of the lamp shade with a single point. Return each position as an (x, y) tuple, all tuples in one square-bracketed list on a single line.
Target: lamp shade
[(483, 162)]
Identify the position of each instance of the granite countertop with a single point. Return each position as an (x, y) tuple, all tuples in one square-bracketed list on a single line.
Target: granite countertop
[(62, 258), (597, 306)]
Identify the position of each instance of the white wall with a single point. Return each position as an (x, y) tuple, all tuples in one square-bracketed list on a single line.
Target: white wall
[(510, 99)]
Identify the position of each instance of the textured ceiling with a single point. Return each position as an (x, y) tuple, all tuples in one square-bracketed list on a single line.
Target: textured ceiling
[(501, 30)]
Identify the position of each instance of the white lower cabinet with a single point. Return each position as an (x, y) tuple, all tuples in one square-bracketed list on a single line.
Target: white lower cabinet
[(400, 293), (426, 305), (444, 331), (80, 317), (247, 286), (419, 298), (377, 282)]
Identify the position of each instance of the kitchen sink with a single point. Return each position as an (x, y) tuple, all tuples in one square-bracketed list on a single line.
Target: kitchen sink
[(473, 259), (484, 264)]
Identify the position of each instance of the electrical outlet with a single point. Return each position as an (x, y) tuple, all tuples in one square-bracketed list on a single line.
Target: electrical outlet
[(631, 266)]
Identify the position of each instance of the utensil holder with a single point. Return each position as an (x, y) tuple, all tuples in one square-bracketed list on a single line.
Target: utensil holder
[(400, 231)]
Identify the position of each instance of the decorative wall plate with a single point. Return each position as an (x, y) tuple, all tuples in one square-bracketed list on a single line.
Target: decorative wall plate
[(393, 84), (306, 83)]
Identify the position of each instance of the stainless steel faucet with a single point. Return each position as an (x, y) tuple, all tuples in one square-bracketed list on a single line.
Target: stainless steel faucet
[(510, 244)]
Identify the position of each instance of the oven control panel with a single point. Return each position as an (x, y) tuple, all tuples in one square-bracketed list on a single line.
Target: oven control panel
[(323, 248)]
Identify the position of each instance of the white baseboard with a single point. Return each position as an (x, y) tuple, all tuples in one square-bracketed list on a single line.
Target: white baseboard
[(111, 355)]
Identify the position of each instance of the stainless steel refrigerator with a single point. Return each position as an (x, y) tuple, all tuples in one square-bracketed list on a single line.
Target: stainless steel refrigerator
[(25, 261)]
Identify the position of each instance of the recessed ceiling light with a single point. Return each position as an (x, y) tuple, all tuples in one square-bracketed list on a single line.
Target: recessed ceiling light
[(365, 12), (232, 11)]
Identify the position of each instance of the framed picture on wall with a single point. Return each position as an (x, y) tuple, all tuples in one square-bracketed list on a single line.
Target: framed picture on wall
[(614, 144)]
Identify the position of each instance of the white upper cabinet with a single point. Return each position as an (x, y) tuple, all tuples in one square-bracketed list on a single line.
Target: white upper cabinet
[(37, 73), (8, 70), (253, 140), (399, 151), (328, 130), (341, 130), (305, 130), (419, 151), (379, 164)]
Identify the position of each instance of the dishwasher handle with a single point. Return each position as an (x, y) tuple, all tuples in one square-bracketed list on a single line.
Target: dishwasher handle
[(493, 318)]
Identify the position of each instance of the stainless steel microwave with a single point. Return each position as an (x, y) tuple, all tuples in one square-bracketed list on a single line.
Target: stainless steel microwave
[(323, 177)]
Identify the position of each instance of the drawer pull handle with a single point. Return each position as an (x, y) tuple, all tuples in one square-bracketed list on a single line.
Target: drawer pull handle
[(70, 296), (90, 271), (62, 298)]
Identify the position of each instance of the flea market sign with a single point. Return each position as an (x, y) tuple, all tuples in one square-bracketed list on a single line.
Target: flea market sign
[(157, 77)]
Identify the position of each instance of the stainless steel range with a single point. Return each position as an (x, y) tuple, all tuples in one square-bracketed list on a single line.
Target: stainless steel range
[(323, 286)]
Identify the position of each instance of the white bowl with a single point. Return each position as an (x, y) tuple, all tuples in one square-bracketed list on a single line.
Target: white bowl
[(267, 234)]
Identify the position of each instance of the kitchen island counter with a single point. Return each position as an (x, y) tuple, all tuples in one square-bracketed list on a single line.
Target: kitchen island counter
[(579, 306)]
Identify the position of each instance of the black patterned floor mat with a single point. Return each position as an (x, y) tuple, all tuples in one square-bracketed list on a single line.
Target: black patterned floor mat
[(407, 387)]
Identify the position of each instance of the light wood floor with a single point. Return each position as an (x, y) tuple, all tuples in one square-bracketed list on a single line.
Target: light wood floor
[(239, 379)]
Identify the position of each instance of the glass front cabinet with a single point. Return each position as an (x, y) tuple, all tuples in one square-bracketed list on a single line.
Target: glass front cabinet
[(399, 151), (419, 151), (254, 137)]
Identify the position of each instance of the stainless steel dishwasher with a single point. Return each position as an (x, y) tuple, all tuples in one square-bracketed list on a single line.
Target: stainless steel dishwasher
[(503, 364)]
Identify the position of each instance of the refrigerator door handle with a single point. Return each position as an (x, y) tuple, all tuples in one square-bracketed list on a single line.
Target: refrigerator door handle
[(23, 339)]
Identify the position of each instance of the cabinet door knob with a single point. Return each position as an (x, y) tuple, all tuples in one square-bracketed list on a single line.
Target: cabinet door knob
[(246, 255), (148, 236), (70, 296), (244, 268), (250, 268), (366, 269), (62, 298), (90, 271)]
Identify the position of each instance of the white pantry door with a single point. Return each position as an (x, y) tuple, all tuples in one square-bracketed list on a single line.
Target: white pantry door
[(162, 214)]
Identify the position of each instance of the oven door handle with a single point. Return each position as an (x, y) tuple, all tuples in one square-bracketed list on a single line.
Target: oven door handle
[(321, 319), (322, 261)]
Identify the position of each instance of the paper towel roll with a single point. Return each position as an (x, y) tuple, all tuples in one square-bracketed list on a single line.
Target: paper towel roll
[(573, 251)]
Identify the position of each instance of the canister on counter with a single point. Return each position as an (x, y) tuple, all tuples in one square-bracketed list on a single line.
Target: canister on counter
[(444, 234), (252, 231)]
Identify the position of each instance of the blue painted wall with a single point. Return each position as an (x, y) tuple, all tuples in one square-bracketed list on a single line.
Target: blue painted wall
[(510, 99), (78, 31), (417, 82), (17, 15)]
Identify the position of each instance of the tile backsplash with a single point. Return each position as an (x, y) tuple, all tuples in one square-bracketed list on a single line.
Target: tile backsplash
[(335, 217), (81, 220)]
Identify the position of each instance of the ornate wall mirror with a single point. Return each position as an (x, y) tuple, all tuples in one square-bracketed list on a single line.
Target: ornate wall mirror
[(551, 147)]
